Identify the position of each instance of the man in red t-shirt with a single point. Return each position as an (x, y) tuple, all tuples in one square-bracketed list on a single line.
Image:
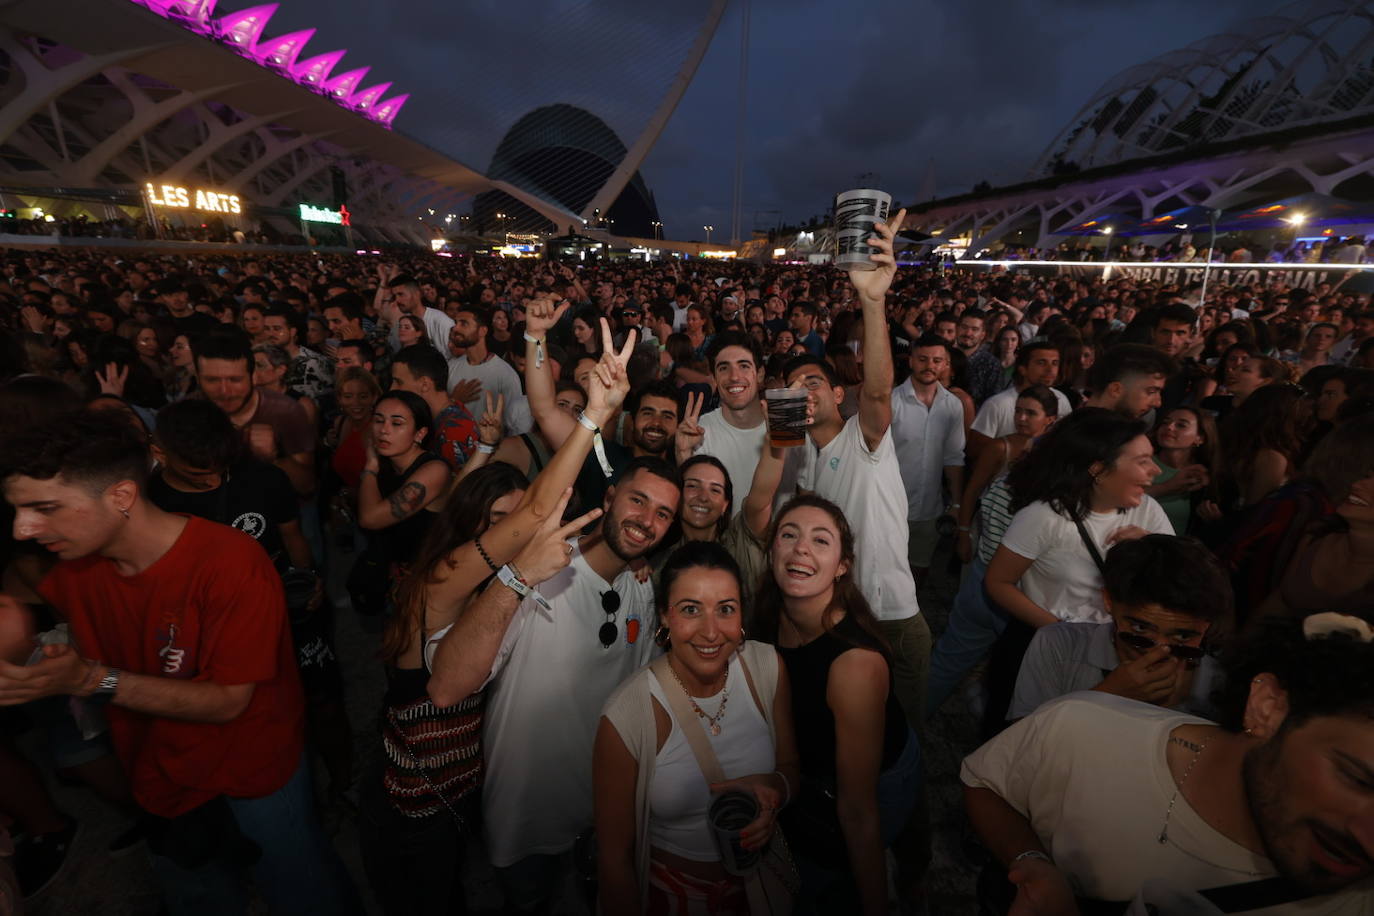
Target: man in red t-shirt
[(180, 629)]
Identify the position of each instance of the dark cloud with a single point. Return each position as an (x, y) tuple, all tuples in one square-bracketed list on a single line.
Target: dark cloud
[(893, 88)]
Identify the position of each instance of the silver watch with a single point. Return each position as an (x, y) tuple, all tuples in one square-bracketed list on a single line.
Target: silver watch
[(108, 683)]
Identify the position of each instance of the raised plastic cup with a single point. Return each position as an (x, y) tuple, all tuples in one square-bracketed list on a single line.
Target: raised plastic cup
[(786, 416), (855, 213), (731, 812)]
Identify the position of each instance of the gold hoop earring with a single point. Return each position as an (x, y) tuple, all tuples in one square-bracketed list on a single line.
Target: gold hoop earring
[(662, 639)]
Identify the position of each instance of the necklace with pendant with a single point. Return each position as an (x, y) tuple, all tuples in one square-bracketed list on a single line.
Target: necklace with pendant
[(712, 722)]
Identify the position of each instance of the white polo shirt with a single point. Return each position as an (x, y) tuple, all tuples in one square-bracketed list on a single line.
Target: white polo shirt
[(997, 417), (927, 440), (865, 485)]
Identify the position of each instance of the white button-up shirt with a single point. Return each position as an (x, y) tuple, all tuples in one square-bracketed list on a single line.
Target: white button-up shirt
[(928, 439)]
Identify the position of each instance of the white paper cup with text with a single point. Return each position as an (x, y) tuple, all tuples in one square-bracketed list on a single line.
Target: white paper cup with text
[(855, 213)]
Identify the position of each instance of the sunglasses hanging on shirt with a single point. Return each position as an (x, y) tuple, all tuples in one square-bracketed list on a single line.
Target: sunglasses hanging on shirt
[(610, 604)]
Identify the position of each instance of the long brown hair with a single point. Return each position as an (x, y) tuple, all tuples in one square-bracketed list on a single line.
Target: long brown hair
[(768, 602), (464, 517)]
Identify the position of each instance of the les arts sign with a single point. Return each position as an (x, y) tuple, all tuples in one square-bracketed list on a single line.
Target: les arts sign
[(179, 198)]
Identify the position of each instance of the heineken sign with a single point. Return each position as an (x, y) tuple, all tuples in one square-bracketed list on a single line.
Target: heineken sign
[(339, 217)]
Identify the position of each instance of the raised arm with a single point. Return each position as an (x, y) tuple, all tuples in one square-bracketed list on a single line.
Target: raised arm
[(556, 425), (875, 396), (608, 386)]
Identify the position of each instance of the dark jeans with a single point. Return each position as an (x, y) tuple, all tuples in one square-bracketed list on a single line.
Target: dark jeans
[(298, 873), (414, 864)]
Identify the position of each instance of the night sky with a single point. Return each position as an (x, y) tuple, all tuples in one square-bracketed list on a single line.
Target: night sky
[(903, 90)]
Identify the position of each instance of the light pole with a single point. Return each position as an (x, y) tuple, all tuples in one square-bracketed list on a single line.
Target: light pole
[(708, 233), (658, 229), (1107, 252)]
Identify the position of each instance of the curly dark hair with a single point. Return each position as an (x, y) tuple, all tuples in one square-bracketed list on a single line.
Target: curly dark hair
[(1177, 573), (1276, 417), (1058, 468), (1322, 677)]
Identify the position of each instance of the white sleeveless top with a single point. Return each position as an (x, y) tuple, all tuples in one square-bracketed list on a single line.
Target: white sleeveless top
[(678, 796)]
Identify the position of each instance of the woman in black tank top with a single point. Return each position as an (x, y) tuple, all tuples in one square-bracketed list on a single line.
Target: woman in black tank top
[(860, 762)]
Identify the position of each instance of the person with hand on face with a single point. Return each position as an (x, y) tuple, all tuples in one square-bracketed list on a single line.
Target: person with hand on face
[(1268, 812), (656, 852), (1080, 489), (179, 627), (422, 371), (276, 428), (1166, 596), (735, 432), (1188, 453)]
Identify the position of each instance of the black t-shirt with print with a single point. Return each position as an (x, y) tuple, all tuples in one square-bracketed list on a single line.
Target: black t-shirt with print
[(256, 498)]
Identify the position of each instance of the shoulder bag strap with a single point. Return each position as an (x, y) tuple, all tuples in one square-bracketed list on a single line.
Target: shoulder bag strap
[(1092, 548), (686, 720), (749, 679)]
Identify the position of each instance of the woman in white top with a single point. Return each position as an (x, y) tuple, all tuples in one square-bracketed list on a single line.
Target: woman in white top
[(1083, 481), (656, 850)]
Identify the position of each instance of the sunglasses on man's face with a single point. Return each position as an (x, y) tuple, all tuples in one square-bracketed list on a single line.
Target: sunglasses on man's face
[(1145, 644)]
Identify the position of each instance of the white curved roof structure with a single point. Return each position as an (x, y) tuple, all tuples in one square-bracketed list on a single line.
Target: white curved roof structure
[(1310, 63)]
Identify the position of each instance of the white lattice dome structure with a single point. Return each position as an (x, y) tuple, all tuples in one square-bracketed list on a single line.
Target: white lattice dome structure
[(1310, 63)]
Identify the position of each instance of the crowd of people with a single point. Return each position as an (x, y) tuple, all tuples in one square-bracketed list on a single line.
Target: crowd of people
[(1188, 248), (562, 502)]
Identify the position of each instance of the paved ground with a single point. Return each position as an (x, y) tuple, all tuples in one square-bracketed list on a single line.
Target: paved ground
[(95, 884)]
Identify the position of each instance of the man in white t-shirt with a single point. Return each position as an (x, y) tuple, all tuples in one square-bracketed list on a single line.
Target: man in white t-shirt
[(556, 666), (1110, 799), (928, 433), (479, 371), (401, 296), (1164, 595), (735, 432), (1036, 364), (853, 463)]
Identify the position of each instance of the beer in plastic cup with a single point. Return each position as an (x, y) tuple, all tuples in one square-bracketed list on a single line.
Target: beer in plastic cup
[(855, 213), (786, 416), (731, 812)]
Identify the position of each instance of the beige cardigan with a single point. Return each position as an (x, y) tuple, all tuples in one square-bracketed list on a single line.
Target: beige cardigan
[(630, 711)]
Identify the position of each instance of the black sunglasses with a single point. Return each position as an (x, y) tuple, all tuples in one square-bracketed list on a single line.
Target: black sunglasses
[(1145, 644), (610, 604)]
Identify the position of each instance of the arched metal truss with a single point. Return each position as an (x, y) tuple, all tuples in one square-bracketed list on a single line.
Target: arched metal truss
[(1311, 62)]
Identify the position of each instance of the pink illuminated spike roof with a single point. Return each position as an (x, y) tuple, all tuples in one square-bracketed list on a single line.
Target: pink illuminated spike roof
[(367, 99), (385, 112), (243, 30), (283, 50), (315, 71), (345, 84)]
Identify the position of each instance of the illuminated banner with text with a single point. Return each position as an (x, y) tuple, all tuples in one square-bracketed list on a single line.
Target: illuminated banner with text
[(176, 197)]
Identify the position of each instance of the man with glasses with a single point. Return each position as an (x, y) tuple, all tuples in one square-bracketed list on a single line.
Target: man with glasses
[(1165, 594)]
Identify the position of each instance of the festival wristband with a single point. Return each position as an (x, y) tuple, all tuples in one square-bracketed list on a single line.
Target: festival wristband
[(538, 350), (507, 576), (599, 444), (486, 449)]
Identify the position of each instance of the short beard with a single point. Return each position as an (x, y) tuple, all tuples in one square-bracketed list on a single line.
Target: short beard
[(611, 531), (646, 446), (1264, 796)]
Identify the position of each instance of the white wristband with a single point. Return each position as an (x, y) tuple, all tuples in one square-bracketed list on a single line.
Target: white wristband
[(598, 444), (507, 577), (538, 350), (486, 449)]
